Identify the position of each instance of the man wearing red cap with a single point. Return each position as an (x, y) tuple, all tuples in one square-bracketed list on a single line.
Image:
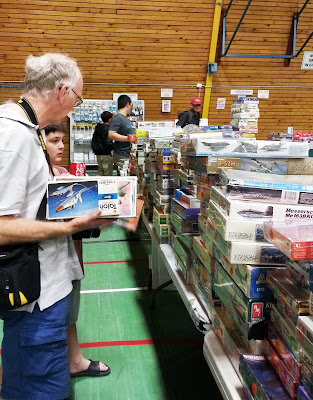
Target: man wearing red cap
[(191, 116)]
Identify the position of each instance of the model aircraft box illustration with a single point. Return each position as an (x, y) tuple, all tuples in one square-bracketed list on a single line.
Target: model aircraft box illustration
[(204, 146), (245, 231), (261, 379), (287, 189), (242, 210), (114, 196)]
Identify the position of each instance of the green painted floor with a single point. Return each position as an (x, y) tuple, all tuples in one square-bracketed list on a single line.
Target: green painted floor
[(153, 355)]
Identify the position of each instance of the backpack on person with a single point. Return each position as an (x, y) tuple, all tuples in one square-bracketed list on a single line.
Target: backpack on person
[(99, 141)]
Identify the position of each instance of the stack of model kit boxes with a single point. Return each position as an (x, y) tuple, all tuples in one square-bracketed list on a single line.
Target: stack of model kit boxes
[(290, 317), (245, 114), (185, 208), (278, 199)]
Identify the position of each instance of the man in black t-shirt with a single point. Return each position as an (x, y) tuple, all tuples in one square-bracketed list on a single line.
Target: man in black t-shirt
[(102, 146), (191, 116), (120, 129)]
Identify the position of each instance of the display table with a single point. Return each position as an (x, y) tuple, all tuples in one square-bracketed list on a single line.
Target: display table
[(163, 267), (222, 370)]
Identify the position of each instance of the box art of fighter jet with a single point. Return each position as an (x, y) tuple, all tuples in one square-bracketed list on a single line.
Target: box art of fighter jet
[(236, 208), (245, 231), (114, 196)]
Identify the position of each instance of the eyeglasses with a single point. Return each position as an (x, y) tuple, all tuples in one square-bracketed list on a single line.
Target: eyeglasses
[(80, 101)]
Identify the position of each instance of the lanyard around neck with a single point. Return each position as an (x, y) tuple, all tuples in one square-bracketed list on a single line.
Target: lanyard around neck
[(31, 115)]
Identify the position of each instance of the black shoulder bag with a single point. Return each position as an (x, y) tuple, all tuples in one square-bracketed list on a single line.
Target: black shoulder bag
[(19, 263)]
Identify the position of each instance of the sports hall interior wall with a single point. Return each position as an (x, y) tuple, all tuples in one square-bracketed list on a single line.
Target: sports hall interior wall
[(141, 47)]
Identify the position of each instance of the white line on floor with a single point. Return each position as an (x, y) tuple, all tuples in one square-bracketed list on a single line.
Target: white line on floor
[(112, 290)]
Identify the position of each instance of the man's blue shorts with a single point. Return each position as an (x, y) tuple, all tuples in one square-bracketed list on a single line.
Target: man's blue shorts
[(35, 354)]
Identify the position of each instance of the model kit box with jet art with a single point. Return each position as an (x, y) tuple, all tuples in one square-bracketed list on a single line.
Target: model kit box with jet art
[(245, 231), (241, 210), (114, 196), (204, 146), (288, 189)]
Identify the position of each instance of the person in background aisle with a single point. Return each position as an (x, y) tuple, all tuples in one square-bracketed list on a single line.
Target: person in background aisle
[(102, 146), (191, 116), (120, 129), (34, 347), (79, 366)]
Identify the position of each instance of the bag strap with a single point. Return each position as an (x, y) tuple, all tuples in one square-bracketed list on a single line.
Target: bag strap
[(31, 115)]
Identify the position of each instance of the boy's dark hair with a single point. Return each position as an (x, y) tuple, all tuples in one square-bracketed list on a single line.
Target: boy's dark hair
[(55, 128), (123, 100), (105, 116)]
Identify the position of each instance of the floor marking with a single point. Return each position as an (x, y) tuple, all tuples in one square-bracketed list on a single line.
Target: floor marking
[(141, 342), (117, 261), (112, 290), (114, 240)]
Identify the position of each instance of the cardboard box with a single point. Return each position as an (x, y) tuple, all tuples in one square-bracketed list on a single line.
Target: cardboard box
[(287, 330), (182, 251), (226, 330), (251, 279), (182, 226), (202, 253), (245, 231), (188, 214), (295, 239), (296, 298), (185, 196), (183, 269), (284, 352), (160, 218), (249, 252), (281, 369), (242, 309), (288, 189), (260, 378), (244, 148), (241, 210), (70, 198)]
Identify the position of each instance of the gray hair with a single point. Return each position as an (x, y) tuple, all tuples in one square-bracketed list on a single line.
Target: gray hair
[(44, 74)]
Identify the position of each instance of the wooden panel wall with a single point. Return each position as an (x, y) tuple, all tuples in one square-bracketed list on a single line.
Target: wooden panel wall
[(140, 46), (265, 30)]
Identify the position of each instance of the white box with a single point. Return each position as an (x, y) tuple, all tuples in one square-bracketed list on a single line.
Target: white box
[(240, 210), (71, 198), (232, 230)]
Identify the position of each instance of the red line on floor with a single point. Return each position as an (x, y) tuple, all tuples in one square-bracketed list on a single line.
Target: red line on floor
[(116, 261), (140, 342)]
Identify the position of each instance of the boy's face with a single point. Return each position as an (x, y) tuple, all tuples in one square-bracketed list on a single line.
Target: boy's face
[(55, 146)]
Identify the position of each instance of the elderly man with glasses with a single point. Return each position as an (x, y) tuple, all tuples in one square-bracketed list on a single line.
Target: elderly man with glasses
[(34, 348)]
